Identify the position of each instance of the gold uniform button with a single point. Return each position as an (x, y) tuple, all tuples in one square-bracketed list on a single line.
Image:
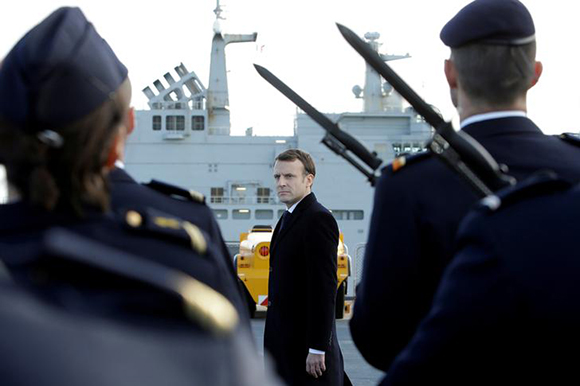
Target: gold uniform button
[(134, 219)]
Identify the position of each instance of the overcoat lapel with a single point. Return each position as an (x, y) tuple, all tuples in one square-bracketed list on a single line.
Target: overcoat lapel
[(300, 208)]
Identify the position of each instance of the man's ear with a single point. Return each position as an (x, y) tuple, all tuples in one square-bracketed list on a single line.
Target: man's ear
[(310, 178), (450, 73), (538, 68), (451, 76)]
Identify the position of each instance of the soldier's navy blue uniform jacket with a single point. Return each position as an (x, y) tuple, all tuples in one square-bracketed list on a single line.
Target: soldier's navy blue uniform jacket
[(23, 226), (415, 217), (507, 310), (302, 293), (125, 191), (74, 311)]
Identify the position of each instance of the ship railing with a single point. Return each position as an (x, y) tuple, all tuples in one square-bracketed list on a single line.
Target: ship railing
[(250, 200)]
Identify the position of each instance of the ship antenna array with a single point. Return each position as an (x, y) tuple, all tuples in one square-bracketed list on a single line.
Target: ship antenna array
[(218, 11)]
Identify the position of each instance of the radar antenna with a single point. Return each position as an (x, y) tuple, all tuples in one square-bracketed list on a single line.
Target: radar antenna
[(378, 97), (218, 11)]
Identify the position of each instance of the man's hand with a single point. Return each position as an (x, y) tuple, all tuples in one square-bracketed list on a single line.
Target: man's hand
[(315, 364)]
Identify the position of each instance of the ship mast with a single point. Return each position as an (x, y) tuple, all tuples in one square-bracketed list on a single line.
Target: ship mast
[(378, 97), (218, 95)]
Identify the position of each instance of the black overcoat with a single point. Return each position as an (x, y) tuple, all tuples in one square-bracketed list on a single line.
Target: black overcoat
[(302, 294)]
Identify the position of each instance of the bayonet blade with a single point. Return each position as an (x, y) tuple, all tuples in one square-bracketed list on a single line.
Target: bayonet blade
[(462, 153), (377, 63), (343, 137)]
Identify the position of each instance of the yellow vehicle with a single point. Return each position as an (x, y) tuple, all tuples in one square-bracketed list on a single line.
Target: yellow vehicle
[(253, 262)]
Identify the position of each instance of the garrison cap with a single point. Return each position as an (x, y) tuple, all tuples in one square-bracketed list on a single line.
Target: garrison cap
[(500, 22), (60, 71)]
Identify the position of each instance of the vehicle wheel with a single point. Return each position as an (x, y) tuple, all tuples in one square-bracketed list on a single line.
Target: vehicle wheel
[(340, 295)]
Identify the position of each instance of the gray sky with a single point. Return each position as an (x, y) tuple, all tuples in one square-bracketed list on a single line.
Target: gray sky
[(299, 42)]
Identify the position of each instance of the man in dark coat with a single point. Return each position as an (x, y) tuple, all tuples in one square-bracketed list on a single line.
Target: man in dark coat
[(507, 309), (300, 331), (418, 206)]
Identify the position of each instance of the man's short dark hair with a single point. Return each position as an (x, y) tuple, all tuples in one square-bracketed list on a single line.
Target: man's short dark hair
[(300, 155), (495, 75)]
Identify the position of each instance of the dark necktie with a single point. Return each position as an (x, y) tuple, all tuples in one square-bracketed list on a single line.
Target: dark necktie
[(284, 220)]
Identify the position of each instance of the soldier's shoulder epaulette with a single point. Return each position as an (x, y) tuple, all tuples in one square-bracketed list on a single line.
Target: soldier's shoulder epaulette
[(176, 191), (571, 138), (404, 160), (539, 184), (202, 304), (153, 221)]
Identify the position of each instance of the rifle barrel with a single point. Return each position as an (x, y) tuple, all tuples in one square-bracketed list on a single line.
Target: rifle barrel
[(351, 143)]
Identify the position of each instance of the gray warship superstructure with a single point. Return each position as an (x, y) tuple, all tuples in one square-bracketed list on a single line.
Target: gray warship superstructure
[(184, 138)]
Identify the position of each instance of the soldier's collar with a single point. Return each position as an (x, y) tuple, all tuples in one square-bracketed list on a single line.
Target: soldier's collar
[(492, 115), (502, 126), (291, 209)]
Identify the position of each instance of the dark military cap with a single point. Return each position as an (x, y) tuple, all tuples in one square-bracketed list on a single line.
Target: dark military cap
[(60, 71), (501, 22)]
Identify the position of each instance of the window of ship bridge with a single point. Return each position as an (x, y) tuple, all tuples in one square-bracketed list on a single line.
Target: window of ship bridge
[(217, 195), (157, 122), (340, 214), (241, 214), (175, 122), (197, 122), (264, 214), (221, 214), (263, 195)]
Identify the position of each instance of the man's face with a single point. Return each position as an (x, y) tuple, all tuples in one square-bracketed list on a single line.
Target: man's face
[(291, 183)]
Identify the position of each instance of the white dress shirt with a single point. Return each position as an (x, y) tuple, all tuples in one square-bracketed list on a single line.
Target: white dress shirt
[(491, 115)]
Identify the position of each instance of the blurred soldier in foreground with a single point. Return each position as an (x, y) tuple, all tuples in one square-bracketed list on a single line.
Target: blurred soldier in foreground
[(507, 309), (88, 296), (186, 204), (419, 205)]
